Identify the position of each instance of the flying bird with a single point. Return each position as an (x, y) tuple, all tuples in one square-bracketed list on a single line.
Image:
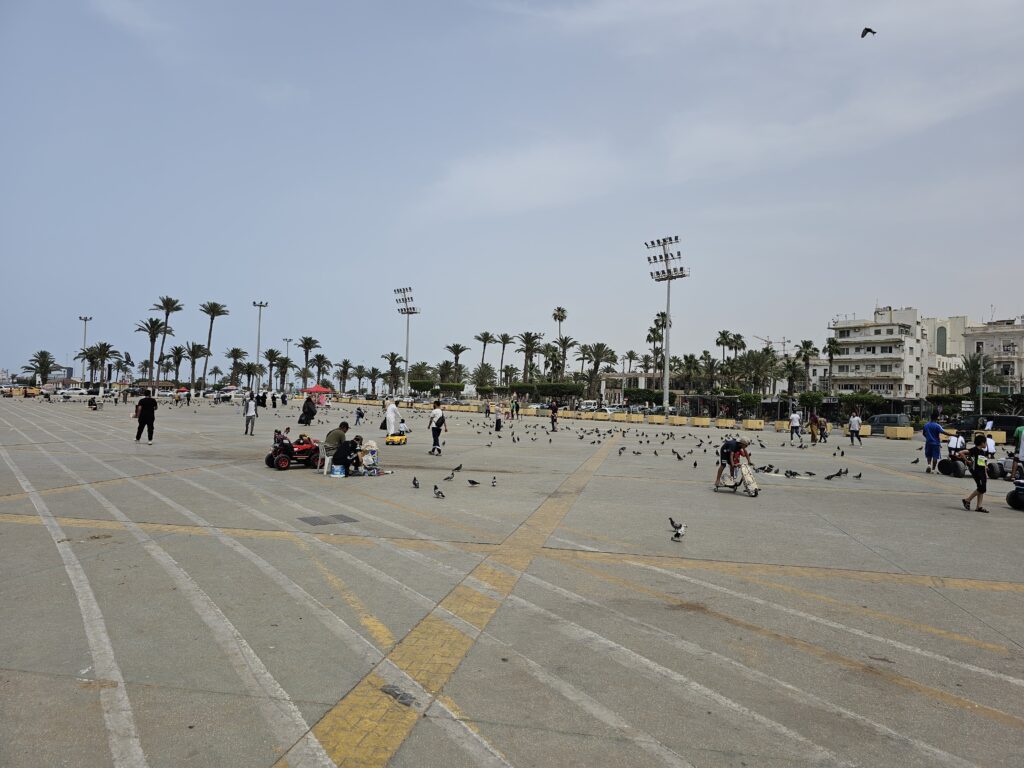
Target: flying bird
[(438, 493), (867, 31), (415, 483)]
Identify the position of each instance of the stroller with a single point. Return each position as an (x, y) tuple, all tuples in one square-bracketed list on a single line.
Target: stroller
[(745, 479)]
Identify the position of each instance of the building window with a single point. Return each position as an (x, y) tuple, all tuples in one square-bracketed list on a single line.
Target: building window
[(844, 369), (878, 331), (885, 368), (843, 334), (814, 371), (888, 331), (886, 350), (870, 368), (979, 346), (910, 368), (940, 340)]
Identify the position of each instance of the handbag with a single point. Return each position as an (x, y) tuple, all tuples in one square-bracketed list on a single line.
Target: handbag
[(384, 423)]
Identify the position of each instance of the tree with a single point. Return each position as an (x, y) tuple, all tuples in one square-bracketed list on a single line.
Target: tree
[(737, 344), (85, 354), (41, 364), (979, 369), (360, 373), (457, 350), (285, 365), (565, 343), (709, 370), (420, 371), (253, 371), (216, 372), (271, 356), (153, 328), (485, 338), (790, 371), (177, 356), (213, 310), (343, 372), (236, 355), (504, 339), (446, 371), (509, 374), (320, 364), (953, 380), (167, 305), (831, 350), (631, 357), (374, 375), (195, 352), (806, 351), (723, 340), (598, 354), (558, 315), (394, 372), (528, 343), (484, 376), (307, 344)]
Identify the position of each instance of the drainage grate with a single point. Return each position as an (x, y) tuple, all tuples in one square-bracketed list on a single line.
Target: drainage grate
[(344, 519), (329, 520)]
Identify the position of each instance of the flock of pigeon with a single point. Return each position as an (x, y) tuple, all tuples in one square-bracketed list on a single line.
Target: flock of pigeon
[(439, 494)]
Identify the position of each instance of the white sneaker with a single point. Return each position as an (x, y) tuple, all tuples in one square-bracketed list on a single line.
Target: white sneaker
[(150, 442)]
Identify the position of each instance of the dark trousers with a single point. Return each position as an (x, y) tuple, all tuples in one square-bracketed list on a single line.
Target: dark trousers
[(146, 424), (855, 433), (436, 434), (795, 432)]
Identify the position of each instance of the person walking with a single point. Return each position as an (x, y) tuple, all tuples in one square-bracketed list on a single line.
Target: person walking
[(554, 415), (977, 462), (487, 409), (391, 418), (308, 411), (250, 415), (794, 427), (822, 429), (812, 424), (515, 410), (359, 416), (145, 412), (436, 424), (273, 400), (932, 432), (855, 428), (1018, 442)]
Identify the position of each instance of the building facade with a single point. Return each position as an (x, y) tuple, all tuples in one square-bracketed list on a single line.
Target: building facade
[(887, 354), (1003, 342)]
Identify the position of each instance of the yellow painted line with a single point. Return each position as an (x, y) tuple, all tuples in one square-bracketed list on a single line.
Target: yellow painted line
[(800, 571), (968, 705), (364, 728), (881, 615)]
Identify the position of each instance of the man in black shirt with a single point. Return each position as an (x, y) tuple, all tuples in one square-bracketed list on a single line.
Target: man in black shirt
[(145, 412)]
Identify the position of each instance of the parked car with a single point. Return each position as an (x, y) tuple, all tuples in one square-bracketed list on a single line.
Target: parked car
[(73, 392), (1000, 422), (880, 421)]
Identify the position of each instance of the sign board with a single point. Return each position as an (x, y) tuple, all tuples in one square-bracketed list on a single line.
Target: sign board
[(830, 400), (966, 405)]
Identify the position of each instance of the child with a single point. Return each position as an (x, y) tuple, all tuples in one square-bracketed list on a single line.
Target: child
[(403, 428), (977, 462)]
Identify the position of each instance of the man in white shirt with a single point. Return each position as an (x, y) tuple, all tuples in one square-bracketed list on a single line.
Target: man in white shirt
[(391, 418), (855, 428), (955, 445), (250, 415), (436, 424), (794, 427)]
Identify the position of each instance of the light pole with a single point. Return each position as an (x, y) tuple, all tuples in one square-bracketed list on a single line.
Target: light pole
[(664, 272), (85, 331), (287, 354), (405, 307), (260, 305)]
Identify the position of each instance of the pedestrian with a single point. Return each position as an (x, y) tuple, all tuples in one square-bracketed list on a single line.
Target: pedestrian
[(794, 427), (273, 400), (823, 429), (515, 410), (391, 418), (145, 412), (932, 432), (487, 409), (727, 458), (284, 399), (554, 415), (1018, 442), (977, 462), (990, 446), (250, 415), (812, 424), (436, 424), (855, 428), (359, 416), (308, 411), (956, 444)]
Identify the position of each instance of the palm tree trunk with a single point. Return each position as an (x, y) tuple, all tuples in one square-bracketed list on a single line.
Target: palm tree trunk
[(209, 350), (163, 339)]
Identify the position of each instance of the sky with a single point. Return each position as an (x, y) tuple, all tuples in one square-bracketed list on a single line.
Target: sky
[(503, 157)]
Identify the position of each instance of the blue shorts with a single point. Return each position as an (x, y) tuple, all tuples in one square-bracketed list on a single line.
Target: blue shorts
[(932, 451)]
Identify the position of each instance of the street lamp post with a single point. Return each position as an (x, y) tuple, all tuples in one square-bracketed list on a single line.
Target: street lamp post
[(665, 272), (85, 332), (405, 307), (260, 305), (287, 353)]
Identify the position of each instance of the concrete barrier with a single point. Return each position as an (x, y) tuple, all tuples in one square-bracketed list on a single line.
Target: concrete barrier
[(754, 424), (998, 435), (701, 421), (782, 425), (587, 415), (725, 423), (865, 431), (678, 421), (655, 419), (620, 416), (635, 418), (899, 433), (602, 416)]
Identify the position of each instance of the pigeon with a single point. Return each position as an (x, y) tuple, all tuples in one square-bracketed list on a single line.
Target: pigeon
[(809, 474), (695, 465), (457, 469), (678, 457), (867, 31), (451, 476), (494, 482), (842, 453), (438, 493), (858, 476), (655, 451), (679, 528), (415, 483), (921, 448), (472, 483), (916, 461)]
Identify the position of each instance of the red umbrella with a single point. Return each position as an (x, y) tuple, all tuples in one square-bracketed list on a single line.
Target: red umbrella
[(317, 390), (183, 389)]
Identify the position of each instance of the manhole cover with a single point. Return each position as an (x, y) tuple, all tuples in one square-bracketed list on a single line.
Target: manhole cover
[(328, 520)]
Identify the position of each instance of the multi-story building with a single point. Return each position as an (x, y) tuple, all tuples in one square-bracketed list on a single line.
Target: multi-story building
[(887, 354), (1003, 341)]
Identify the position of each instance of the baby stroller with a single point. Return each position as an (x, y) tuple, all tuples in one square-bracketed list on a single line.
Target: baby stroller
[(745, 477)]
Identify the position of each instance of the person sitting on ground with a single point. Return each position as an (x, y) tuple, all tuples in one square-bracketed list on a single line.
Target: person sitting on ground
[(727, 455), (977, 462), (335, 438), (347, 455), (933, 443), (403, 428), (92, 403)]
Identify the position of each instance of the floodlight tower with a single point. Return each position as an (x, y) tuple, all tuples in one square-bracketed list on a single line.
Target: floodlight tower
[(404, 300), (665, 272)]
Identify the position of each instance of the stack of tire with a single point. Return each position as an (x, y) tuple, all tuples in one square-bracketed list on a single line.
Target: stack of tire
[(952, 467)]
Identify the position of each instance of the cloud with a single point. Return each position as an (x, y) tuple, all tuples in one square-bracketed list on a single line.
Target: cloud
[(507, 182)]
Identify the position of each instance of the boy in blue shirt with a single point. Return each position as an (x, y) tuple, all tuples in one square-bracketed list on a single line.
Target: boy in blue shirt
[(933, 443)]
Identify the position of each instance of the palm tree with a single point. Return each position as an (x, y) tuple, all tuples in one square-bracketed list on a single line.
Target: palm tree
[(213, 310), (420, 371), (104, 351), (831, 350), (85, 354), (253, 371), (565, 343), (195, 352), (528, 343), (445, 371), (806, 351), (285, 365), (343, 372), (456, 350), (374, 375), (271, 356), (236, 355), (509, 373), (952, 380), (552, 360), (737, 344), (979, 369), (691, 371), (321, 363), (153, 328), (709, 369), (307, 344), (504, 339), (484, 376), (216, 372), (360, 373), (598, 354), (790, 371), (167, 305), (41, 364), (394, 373), (177, 356), (723, 341), (485, 338), (558, 315), (631, 357)]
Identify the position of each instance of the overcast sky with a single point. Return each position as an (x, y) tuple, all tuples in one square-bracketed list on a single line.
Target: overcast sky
[(503, 157)]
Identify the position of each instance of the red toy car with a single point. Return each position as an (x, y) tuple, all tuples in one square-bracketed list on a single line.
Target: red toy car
[(305, 450)]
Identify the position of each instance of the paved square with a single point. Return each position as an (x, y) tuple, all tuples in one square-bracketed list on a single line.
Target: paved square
[(181, 604)]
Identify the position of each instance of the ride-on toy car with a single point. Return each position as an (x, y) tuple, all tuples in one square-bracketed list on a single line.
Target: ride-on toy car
[(285, 453)]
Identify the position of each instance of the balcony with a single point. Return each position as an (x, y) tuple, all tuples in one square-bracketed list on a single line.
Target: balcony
[(869, 375)]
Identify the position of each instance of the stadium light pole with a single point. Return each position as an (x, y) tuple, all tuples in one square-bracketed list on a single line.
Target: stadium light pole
[(664, 272), (85, 333), (403, 297), (260, 306)]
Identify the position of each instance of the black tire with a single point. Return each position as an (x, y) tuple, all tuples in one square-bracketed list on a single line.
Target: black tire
[(269, 460), (945, 466), (282, 462), (1015, 499), (959, 469), (994, 470)]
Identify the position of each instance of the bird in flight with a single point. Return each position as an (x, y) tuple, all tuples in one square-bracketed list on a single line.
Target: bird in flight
[(867, 31), (438, 493)]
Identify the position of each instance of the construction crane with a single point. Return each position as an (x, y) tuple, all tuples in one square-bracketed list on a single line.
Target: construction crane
[(770, 343)]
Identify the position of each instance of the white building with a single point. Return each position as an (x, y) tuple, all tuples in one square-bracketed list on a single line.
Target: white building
[(1003, 341), (946, 335), (887, 354)]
